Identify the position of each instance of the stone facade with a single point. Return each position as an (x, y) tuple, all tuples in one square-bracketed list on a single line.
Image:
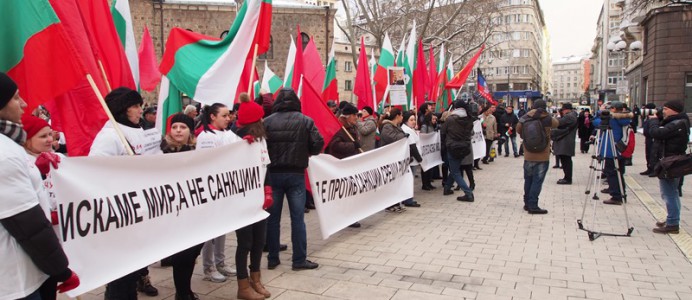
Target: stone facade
[(214, 19), (569, 80)]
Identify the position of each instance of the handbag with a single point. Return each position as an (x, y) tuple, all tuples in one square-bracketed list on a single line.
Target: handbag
[(674, 166)]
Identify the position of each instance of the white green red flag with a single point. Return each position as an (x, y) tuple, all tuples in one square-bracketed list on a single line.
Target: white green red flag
[(170, 103), (330, 90), (410, 63), (207, 69), (122, 19), (290, 61), (381, 73), (270, 81)]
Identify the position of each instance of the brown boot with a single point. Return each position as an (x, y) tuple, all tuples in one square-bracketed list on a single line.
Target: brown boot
[(246, 292), (674, 229), (257, 285)]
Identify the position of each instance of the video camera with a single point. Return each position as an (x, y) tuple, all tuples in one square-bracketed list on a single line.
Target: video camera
[(605, 120), (658, 111)]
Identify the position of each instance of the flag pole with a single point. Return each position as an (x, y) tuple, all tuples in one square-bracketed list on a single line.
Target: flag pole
[(252, 69), (115, 124), (105, 78)]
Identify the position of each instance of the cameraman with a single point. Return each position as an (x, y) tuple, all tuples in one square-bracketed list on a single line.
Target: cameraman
[(670, 135), (617, 119), (649, 110)]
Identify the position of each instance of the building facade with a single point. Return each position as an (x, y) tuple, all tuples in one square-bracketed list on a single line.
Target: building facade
[(608, 65), (518, 63), (570, 79)]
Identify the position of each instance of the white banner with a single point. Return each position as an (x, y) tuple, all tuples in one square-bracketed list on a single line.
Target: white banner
[(119, 214), (351, 189), (478, 141), (430, 150)]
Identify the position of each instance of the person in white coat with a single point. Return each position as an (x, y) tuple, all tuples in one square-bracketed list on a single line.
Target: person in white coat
[(408, 126)]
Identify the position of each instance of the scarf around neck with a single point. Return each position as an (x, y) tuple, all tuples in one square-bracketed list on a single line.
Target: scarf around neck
[(13, 131)]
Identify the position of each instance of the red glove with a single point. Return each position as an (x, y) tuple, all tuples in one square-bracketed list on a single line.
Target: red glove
[(44, 160), (54, 217), (249, 139), (69, 284), (268, 198)]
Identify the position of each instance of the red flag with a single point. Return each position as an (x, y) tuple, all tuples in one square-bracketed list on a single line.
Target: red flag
[(420, 77), (438, 86), (313, 69), (432, 75), (298, 62), (459, 79), (313, 107), (149, 75), (363, 86)]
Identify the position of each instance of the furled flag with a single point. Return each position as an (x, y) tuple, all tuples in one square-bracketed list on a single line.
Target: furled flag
[(313, 69), (36, 52), (459, 79), (206, 68), (432, 74), (381, 73), (298, 67), (122, 19), (290, 60), (330, 90), (482, 88), (149, 75), (420, 77), (410, 63), (440, 79), (313, 106), (363, 85), (270, 82)]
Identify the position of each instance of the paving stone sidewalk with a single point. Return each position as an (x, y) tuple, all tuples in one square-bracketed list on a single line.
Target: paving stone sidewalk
[(489, 249)]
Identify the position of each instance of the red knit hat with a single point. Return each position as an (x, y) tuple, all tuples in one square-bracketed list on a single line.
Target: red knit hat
[(249, 112), (32, 125)]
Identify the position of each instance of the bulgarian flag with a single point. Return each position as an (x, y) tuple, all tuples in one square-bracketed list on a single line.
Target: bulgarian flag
[(410, 63), (270, 82), (170, 103), (36, 51), (330, 90), (290, 60), (207, 69), (122, 19), (381, 73)]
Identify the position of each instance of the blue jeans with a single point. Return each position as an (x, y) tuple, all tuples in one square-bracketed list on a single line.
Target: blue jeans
[(669, 193), (513, 139), (455, 175), (534, 174), (292, 185)]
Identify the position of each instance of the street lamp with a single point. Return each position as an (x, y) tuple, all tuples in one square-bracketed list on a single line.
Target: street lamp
[(616, 45)]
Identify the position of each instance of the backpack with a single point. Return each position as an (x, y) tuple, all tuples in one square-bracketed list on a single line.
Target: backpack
[(534, 136)]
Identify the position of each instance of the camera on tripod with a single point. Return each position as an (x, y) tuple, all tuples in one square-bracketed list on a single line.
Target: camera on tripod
[(658, 111), (605, 120)]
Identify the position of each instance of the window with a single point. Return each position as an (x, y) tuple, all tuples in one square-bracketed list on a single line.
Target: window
[(526, 52), (615, 61), (270, 52), (613, 77), (305, 38), (348, 66), (348, 85), (688, 92), (516, 52)]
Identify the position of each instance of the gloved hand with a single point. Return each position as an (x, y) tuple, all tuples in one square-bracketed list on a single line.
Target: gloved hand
[(249, 139), (268, 198), (69, 284), (54, 217), (356, 144), (44, 160)]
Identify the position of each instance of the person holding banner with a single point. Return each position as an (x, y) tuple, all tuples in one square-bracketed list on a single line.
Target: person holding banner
[(179, 138), (429, 125), (125, 105), (391, 132), (31, 252), (215, 120), (251, 238), (409, 128), (291, 139), (456, 134)]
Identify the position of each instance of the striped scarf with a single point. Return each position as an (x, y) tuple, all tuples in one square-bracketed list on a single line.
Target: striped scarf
[(13, 131)]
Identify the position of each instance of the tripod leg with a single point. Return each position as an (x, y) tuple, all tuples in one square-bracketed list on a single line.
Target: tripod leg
[(621, 184)]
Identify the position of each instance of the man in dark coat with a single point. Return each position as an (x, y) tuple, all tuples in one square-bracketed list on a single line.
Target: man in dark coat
[(648, 140), (291, 139), (510, 121), (564, 141)]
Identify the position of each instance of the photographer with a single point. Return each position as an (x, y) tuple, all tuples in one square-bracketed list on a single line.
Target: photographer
[(671, 134), (649, 110), (613, 119)]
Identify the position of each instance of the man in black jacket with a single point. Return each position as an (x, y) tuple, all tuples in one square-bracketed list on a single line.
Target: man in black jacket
[(671, 136), (510, 121), (291, 139), (456, 134)]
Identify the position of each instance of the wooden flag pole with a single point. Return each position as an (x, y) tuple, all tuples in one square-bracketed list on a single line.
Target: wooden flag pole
[(115, 124), (252, 70), (105, 78)]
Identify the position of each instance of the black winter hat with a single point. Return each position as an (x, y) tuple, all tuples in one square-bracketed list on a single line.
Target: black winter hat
[(539, 103), (650, 106), (120, 99), (368, 109), (348, 109), (183, 118), (7, 89), (675, 105)]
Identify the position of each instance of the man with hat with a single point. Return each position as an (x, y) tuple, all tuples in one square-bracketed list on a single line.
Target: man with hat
[(367, 128), (149, 119), (618, 120), (564, 140), (671, 135)]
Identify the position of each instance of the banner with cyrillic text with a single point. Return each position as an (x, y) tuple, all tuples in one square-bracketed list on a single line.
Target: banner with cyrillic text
[(119, 214), (351, 189), (478, 140), (430, 150)]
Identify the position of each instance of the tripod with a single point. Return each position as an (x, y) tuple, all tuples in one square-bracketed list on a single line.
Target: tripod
[(605, 134)]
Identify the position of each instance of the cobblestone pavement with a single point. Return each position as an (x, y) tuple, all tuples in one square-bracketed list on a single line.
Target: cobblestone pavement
[(489, 249)]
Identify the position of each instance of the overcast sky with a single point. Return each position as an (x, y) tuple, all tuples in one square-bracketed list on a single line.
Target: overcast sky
[(571, 25)]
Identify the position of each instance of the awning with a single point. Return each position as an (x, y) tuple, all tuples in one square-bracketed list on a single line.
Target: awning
[(519, 94)]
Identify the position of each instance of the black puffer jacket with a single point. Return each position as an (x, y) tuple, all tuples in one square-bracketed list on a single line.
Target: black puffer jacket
[(670, 135), (291, 138), (456, 133)]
